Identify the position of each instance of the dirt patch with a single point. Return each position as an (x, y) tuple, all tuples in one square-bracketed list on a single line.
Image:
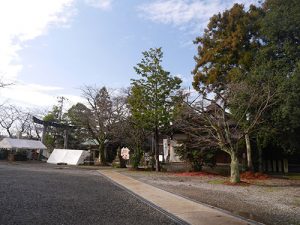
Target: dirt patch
[(253, 176)]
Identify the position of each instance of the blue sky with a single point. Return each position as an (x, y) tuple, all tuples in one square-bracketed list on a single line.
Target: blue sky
[(52, 48)]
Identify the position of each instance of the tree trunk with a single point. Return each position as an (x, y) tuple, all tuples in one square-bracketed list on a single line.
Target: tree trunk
[(156, 137), (249, 153), (152, 159), (234, 168), (9, 134), (260, 159), (65, 139), (102, 154), (43, 134), (121, 160)]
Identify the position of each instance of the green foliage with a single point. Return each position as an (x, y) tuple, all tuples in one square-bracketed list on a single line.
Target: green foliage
[(135, 139), (136, 157), (228, 47), (49, 117), (151, 97), (278, 61), (77, 116), (49, 141), (268, 36), (54, 136), (258, 51), (198, 157)]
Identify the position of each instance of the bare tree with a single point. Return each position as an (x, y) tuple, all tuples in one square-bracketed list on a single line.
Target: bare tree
[(104, 112), (8, 117), (228, 116), (24, 122), (18, 121)]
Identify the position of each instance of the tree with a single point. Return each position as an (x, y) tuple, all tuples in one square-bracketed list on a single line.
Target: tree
[(280, 57), (120, 135), (103, 117), (8, 117), (219, 127), (25, 123), (136, 139), (98, 117), (227, 49), (17, 121), (77, 117), (226, 52), (151, 97), (53, 137)]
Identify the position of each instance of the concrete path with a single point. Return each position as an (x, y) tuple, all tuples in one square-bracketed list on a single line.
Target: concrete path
[(189, 211)]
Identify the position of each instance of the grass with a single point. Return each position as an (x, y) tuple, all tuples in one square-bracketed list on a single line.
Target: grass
[(297, 201), (216, 182), (295, 176)]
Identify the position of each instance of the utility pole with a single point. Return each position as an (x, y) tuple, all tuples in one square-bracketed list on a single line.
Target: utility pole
[(61, 100)]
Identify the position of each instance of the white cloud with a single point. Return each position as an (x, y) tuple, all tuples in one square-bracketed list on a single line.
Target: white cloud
[(21, 21), (29, 94), (72, 100), (35, 95), (193, 14), (100, 4)]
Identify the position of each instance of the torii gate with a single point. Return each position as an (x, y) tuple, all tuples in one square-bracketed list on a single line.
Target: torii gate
[(46, 124)]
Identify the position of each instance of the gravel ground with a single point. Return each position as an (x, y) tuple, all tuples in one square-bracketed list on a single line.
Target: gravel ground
[(272, 201), (44, 194)]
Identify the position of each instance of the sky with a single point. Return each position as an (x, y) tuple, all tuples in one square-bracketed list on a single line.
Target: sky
[(52, 48)]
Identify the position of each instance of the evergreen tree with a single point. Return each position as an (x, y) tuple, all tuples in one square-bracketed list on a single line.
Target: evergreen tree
[(151, 98)]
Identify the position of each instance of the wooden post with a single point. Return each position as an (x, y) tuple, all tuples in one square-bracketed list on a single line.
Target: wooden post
[(44, 134), (65, 139)]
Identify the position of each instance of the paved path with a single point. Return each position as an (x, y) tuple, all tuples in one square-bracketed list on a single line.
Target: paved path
[(43, 194), (183, 208)]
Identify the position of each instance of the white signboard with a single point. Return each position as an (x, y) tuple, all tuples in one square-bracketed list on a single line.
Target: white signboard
[(147, 156), (125, 153)]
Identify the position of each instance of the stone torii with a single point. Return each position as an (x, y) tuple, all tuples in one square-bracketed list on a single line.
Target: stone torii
[(46, 124)]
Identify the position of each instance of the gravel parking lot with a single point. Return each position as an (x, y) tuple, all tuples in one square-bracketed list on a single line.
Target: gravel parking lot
[(271, 201), (38, 193)]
